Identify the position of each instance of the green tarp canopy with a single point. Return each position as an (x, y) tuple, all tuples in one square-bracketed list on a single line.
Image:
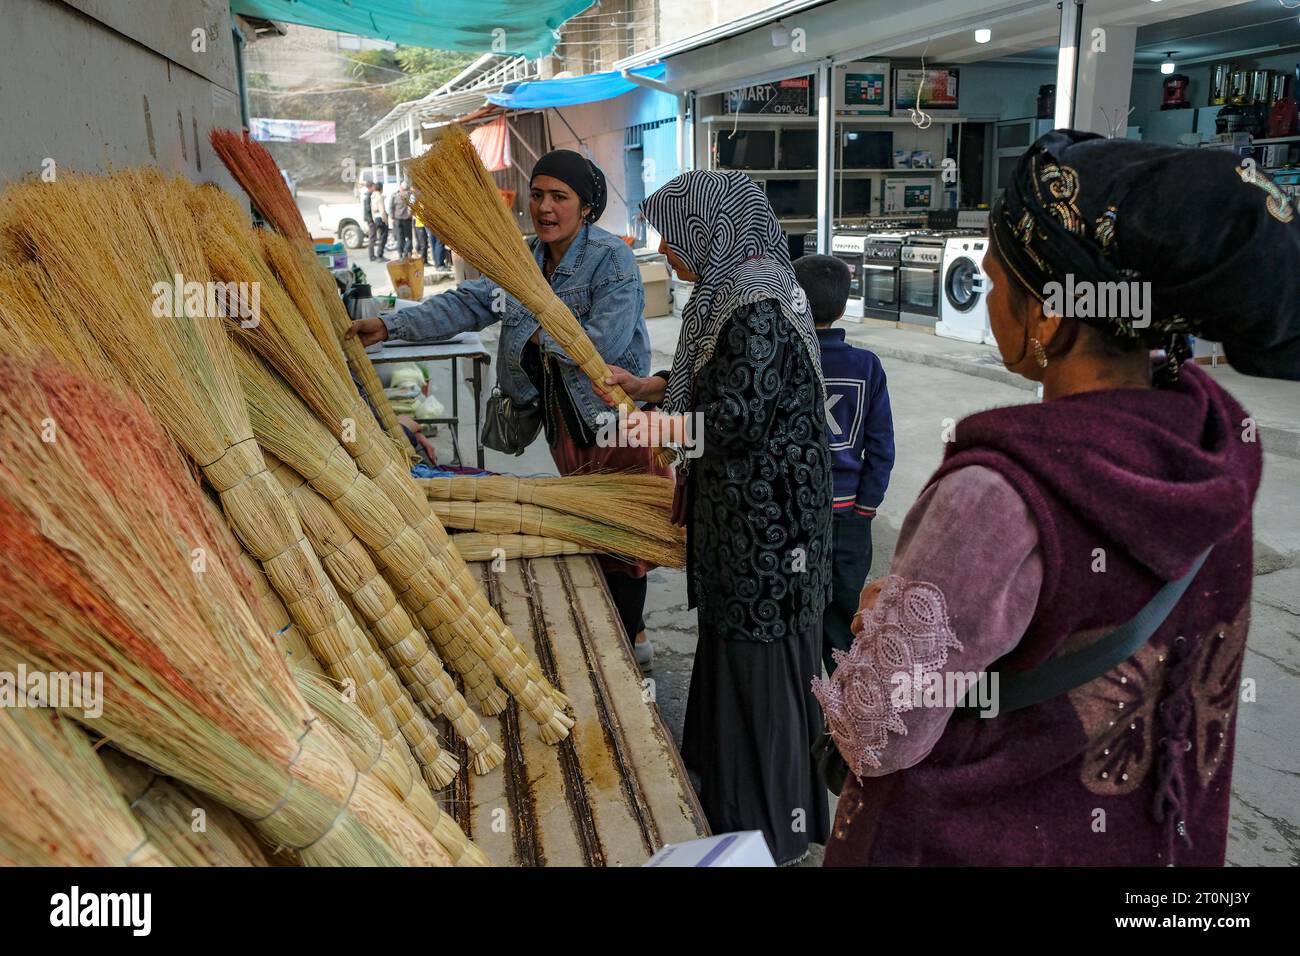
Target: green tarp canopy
[(514, 27)]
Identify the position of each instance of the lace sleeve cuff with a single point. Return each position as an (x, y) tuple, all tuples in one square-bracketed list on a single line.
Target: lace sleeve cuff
[(906, 637)]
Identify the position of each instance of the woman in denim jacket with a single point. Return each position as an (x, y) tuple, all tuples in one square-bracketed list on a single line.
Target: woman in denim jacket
[(595, 274)]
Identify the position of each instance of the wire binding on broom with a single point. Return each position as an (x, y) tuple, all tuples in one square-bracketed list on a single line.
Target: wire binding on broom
[(354, 573)]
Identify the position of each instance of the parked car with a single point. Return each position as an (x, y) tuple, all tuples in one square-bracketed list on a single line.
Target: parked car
[(290, 182), (347, 221)]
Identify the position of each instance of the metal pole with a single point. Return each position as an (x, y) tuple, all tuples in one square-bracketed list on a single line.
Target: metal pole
[(1067, 62), (825, 157)]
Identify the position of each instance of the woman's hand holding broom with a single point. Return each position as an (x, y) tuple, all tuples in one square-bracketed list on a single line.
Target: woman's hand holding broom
[(370, 331), (648, 389)]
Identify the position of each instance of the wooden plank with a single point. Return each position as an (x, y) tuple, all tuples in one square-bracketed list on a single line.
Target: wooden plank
[(654, 768), (615, 789), (590, 751)]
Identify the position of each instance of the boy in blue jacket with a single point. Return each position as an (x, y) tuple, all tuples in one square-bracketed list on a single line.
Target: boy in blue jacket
[(861, 436)]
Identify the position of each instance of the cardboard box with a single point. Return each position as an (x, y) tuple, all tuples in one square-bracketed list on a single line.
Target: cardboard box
[(747, 848), (654, 277)]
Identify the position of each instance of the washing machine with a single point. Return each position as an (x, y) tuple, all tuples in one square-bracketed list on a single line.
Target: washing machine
[(963, 313)]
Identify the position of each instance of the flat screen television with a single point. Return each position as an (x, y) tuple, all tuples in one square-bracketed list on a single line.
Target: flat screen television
[(793, 198), (867, 149), (746, 149), (853, 197), (798, 149)]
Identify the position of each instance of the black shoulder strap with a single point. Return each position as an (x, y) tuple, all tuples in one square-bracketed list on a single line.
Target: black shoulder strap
[(1060, 674)]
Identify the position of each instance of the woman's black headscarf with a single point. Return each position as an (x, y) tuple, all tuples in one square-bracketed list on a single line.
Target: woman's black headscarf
[(1217, 241), (578, 173)]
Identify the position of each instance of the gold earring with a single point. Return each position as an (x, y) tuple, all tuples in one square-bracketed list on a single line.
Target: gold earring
[(1040, 353)]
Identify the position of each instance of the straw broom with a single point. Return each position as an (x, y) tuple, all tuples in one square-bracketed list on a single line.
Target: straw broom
[(314, 295), (287, 429), (167, 813), (475, 546), (455, 194), (182, 367), (282, 338), (257, 172), (97, 535), (274, 618), (58, 806), (510, 517), (370, 754), (357, 734), (639, 503), (353, 571)]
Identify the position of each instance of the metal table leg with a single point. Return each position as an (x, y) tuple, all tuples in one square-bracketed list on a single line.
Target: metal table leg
[(478, 401)]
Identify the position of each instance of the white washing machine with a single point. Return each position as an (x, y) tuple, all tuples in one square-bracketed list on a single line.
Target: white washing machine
[(963, 313)]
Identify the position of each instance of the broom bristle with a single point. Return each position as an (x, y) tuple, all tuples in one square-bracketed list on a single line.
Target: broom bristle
[(167, 811), (98, 536), (58, 806), (509, 517), (257, 172)]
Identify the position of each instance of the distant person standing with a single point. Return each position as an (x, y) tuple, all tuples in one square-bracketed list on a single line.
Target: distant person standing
[(403, 219), (379, 217), (860, 429)]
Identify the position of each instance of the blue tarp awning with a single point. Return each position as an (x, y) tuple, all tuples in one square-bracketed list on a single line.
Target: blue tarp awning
[(471, 26), (570, 91)]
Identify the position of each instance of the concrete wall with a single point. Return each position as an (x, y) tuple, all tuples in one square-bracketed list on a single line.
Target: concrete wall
[(601, 126), (93, 83)]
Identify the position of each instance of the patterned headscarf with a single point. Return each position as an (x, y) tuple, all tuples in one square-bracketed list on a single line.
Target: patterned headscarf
[(1217, 241), (722, 227)]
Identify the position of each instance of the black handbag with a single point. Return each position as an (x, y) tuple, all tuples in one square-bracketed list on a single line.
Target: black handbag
[(1053, 677), (508, 427)]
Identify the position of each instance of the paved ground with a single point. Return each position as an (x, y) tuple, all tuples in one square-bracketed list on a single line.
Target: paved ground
[(934, 380)]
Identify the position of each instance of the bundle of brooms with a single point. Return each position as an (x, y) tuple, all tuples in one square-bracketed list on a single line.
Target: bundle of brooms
[(477, 546), (58, 805), (638, 503), (98, 534), (108, 323), (285, 341), (350, 566), (511, 517), (456, 196), (256, 170)]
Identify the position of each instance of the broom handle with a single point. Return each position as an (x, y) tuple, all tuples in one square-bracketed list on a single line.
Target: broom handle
[(564, 328)]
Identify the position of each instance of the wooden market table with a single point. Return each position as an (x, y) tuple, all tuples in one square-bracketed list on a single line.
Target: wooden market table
[(615, 790)]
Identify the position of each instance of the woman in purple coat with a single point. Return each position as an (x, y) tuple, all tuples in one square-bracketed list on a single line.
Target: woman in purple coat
[(1050, 525)]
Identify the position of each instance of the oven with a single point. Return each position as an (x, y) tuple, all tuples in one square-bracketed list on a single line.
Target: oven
[(920, 282), (880, 262)]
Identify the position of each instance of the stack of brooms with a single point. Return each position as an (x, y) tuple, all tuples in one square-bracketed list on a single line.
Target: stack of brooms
[(625, 515), (342, 539)]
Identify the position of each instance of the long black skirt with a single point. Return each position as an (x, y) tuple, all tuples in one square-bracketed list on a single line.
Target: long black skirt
[(751, 721)]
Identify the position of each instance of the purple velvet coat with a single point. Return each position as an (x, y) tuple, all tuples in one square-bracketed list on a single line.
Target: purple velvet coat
[(1144, 480)]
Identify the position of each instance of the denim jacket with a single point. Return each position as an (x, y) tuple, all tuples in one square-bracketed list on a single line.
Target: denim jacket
[(598, 280)]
